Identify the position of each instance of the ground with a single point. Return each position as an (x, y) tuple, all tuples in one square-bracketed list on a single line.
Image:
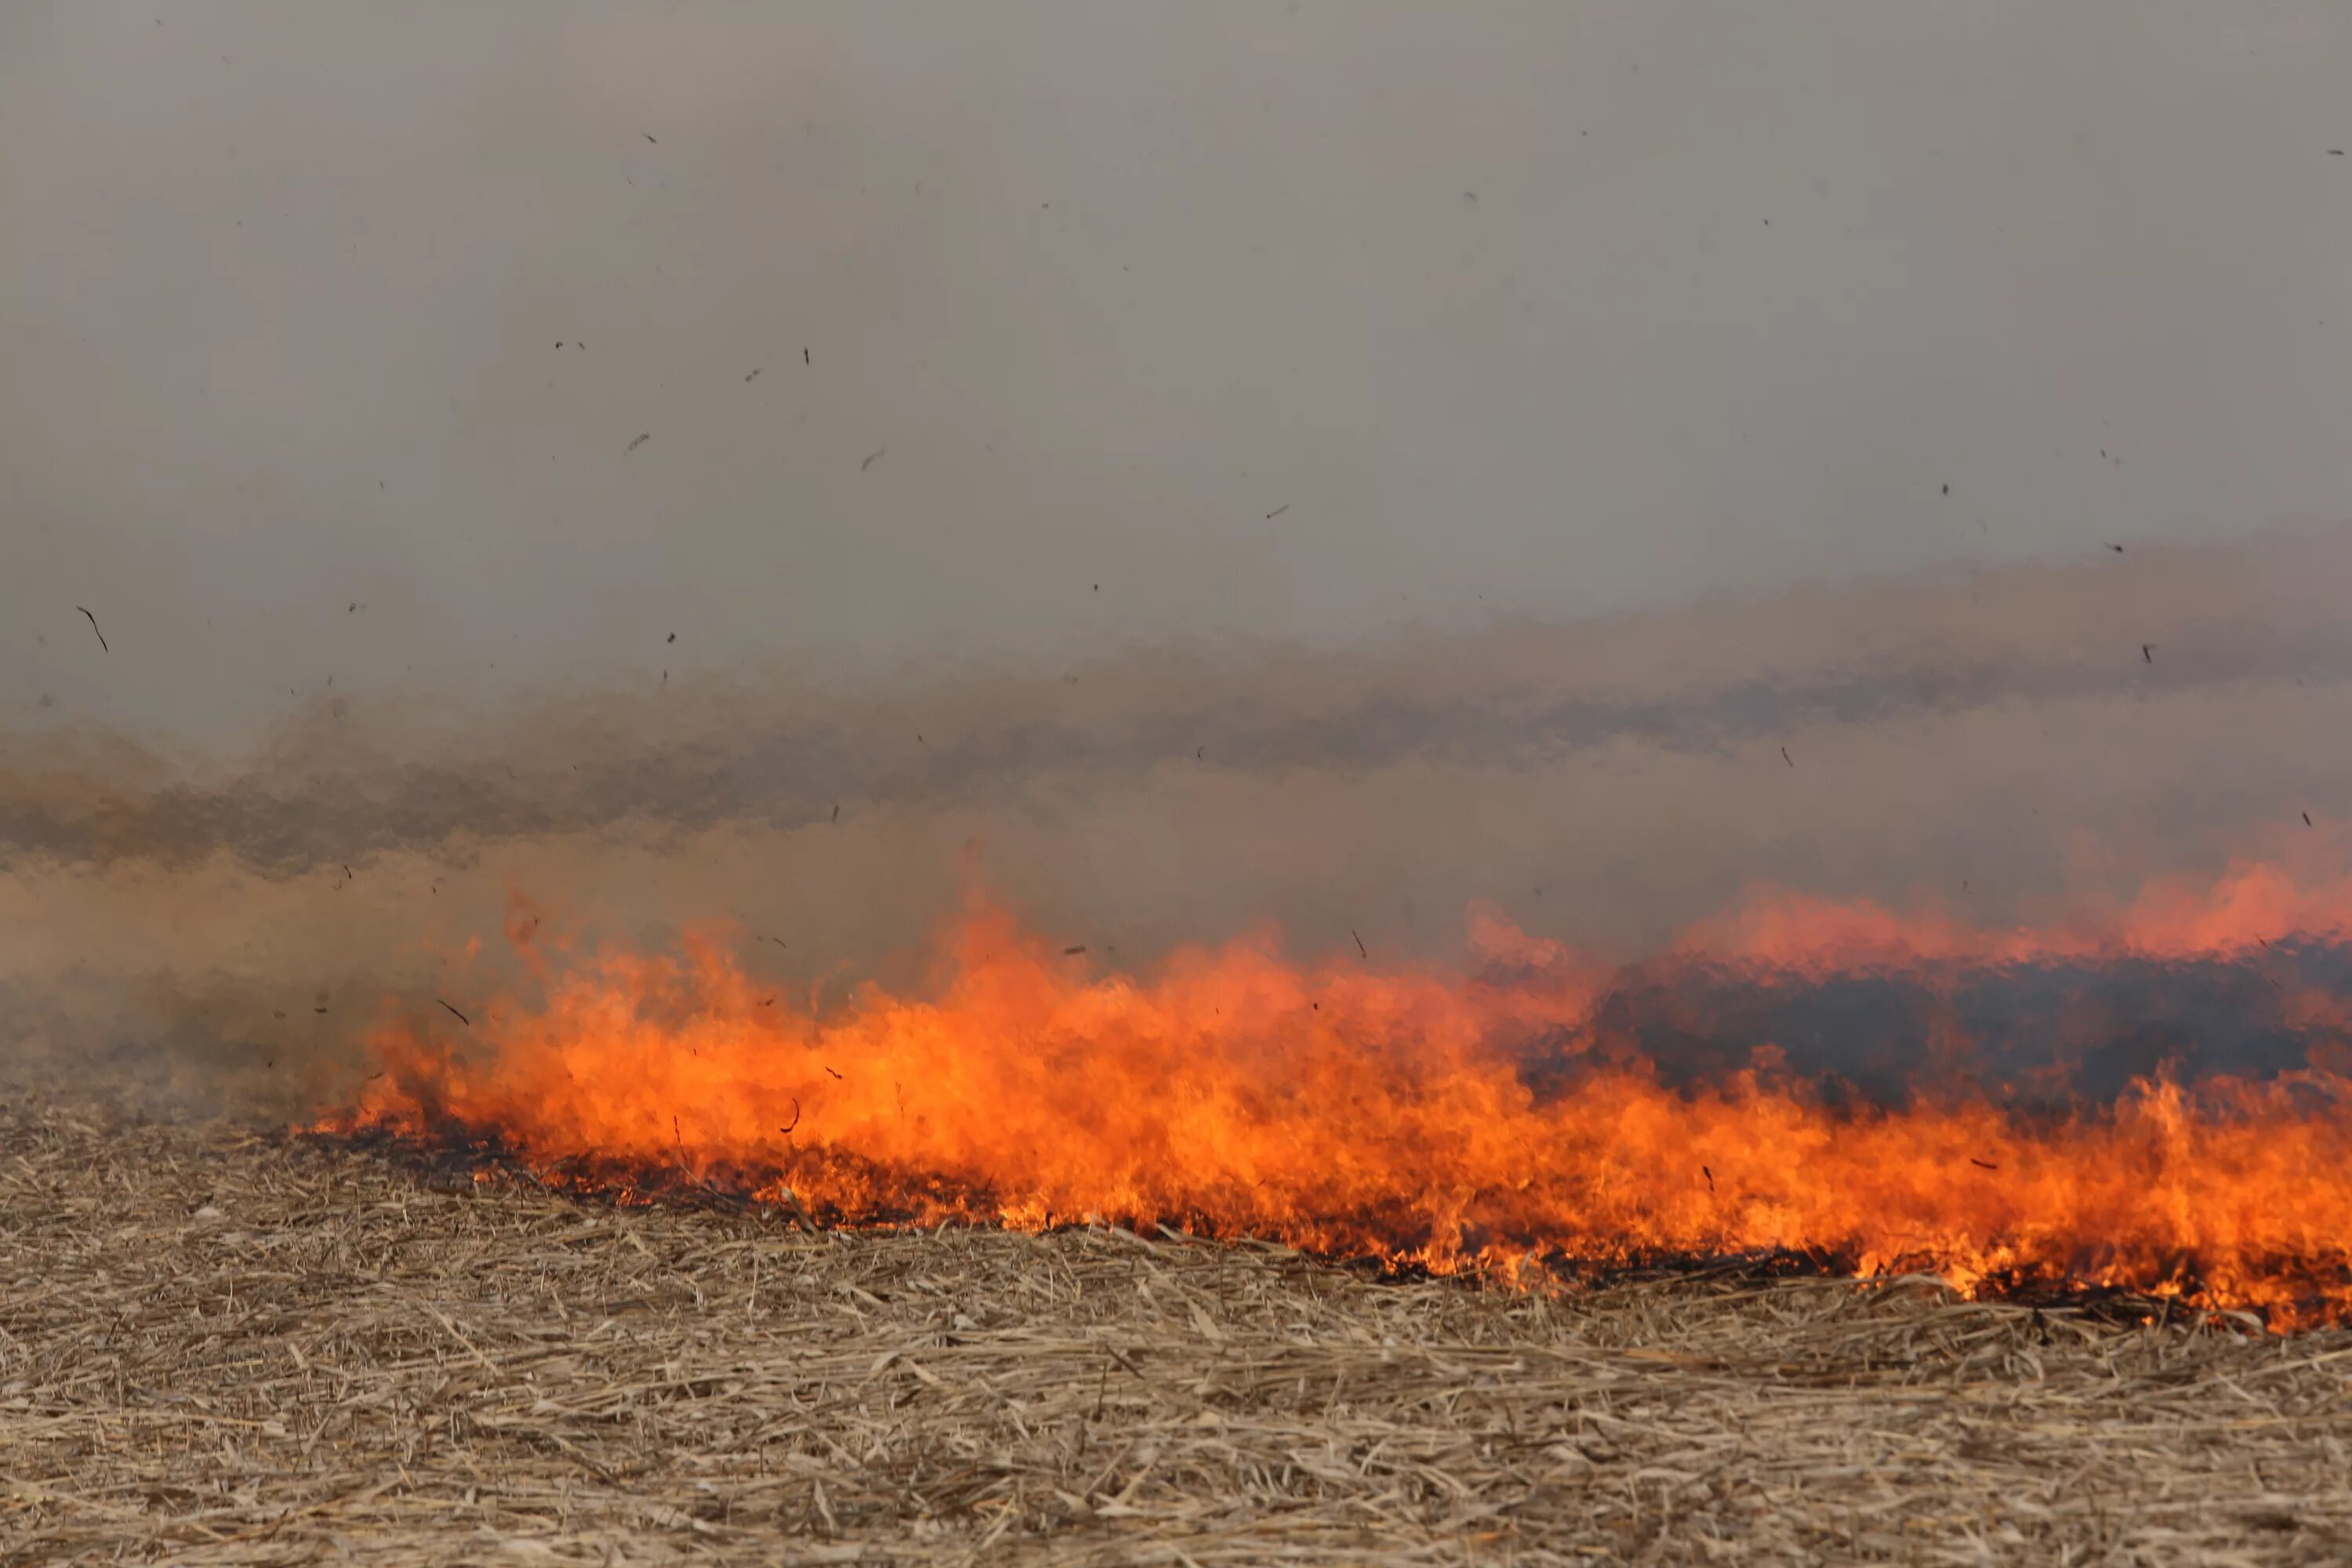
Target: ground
[(220, 1345)]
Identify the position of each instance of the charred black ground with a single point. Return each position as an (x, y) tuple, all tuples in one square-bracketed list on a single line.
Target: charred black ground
[(2035, 1038)]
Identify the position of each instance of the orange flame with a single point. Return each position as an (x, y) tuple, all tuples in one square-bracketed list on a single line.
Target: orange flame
[(1343, 1107)]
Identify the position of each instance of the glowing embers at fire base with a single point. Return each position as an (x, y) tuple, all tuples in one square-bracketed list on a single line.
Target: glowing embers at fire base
[(1536, 1108)]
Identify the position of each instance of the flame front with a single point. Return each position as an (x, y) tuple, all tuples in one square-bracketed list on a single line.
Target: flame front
[(1345, 1107)]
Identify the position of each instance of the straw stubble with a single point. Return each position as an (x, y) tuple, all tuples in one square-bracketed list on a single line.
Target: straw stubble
[(217, 1347)]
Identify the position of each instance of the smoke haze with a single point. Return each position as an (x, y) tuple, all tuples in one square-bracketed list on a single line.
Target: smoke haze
[(1191, 467)]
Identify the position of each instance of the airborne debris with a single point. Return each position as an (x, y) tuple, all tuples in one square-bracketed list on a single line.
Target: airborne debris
[(796, 1116), (648, 136), (835, 1074), (673, 636), (1278, 512), (753, 377), (1983, 1164), (456, 1015), (871, 458), (1360, 951), (2146, 656), (93, 627), (1710, 1177), (1787, 758), (2116, 548), (836, 811), (637, 443), (2306, 819), (1074, 952)]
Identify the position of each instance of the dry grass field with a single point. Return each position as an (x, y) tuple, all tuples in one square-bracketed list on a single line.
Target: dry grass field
[(223, 1347)]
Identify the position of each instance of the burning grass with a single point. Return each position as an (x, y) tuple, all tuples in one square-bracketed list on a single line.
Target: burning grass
[(219, 1347), (1500, 1119)]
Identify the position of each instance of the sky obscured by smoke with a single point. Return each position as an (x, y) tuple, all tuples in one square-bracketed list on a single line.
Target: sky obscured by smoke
[(1318, 463), (1539, 310)]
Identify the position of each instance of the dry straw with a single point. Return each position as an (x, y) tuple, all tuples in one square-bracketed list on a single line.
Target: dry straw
[(218, 1348)]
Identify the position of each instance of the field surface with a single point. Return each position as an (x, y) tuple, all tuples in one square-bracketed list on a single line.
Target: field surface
[(220, 1347)]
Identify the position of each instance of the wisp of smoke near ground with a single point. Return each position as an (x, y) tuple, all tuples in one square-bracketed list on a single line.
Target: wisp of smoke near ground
[(1992, 745), (2170, 630)]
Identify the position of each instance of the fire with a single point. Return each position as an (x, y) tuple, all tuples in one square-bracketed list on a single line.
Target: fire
[(1502, 1117)]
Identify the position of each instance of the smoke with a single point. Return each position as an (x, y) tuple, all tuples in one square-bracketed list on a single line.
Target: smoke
[(1330, 378), (350, 780), (1995, 745)]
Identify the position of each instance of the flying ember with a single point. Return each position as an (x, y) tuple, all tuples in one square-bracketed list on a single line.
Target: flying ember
[(2153, 1099)]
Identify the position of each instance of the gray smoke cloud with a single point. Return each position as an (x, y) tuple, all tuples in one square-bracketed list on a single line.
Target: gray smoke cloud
[(1199, 466), (1170, 323), (350, 780)]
